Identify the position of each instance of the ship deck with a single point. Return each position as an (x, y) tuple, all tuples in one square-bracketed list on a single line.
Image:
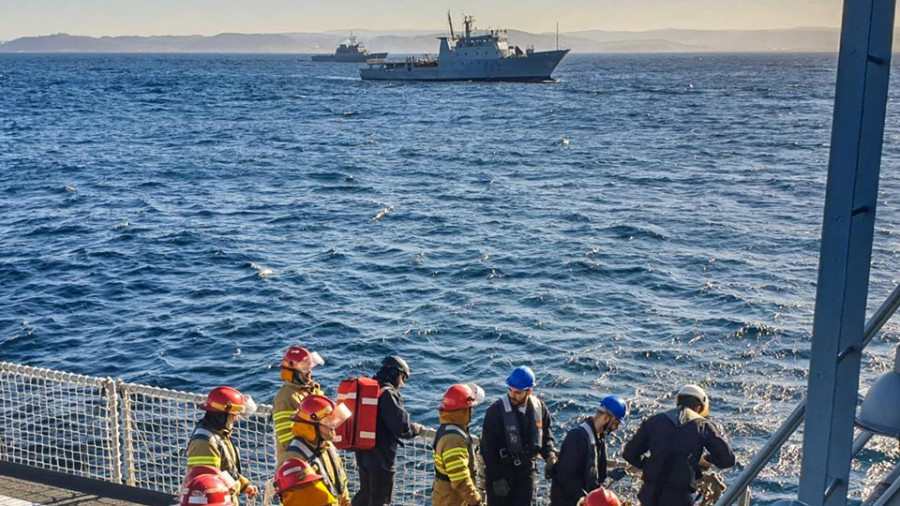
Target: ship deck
[(27, 486)]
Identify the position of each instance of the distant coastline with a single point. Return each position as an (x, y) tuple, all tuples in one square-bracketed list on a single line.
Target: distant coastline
[(592, 41)]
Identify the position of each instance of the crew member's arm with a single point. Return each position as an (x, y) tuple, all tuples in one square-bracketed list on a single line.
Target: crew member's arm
[(395, 416), (201, 453), (569, 474), (492, 439), (634, 450), (455, 457), (720, 454), (282, 410), (548, 443)]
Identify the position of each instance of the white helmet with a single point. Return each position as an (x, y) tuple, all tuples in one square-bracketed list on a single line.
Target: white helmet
[(697, 393)]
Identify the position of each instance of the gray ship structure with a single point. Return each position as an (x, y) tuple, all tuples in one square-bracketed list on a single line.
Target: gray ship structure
[(349, 52), (483, 57)]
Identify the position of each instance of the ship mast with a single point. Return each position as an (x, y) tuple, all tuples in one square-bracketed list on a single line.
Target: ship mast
[(450, 21)]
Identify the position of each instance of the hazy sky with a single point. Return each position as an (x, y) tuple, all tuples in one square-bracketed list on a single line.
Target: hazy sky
[(207, 17)]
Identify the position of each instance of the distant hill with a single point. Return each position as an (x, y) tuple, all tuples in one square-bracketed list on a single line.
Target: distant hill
[(412, 41)]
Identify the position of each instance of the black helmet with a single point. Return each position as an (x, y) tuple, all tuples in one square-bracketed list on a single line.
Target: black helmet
[(397, 364)]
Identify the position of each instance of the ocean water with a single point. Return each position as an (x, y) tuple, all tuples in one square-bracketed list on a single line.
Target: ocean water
[(644, 222)]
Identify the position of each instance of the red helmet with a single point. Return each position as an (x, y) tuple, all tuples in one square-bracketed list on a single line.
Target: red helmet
[(208, 489), (601, 497), (318, 409), (301, 359), (228, 400), (202, 470), (461, 396), (294, 473)]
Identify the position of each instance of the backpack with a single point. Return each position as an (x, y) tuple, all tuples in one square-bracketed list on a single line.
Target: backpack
[(360, 395)]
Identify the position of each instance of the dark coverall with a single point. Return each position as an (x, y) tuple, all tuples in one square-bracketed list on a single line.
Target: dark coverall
[(581, 467), (676, 441), (376, 466), (501, 463)]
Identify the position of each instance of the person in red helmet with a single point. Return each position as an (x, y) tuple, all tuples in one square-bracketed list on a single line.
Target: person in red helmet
[(298, 484), (600, 497), (454, 457), (296, 371), (209, 489), (314, 427), (210, 443)]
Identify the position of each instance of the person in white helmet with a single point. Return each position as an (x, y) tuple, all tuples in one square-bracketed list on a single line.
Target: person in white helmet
[(681, 443)]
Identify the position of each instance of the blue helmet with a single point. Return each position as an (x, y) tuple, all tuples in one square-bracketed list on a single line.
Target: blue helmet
[(522, 378), (615, 406)]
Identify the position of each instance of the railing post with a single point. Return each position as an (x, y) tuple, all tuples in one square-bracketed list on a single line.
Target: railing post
[(112, 416), (844, 262), (128, 433)]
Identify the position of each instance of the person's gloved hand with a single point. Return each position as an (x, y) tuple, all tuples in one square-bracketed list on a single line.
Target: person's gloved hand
[(417, 428), (501, 488), (251, 491), (616, 474), (550, 467)]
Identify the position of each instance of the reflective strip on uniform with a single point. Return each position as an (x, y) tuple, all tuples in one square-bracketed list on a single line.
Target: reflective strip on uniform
[(198, 500), (369, 401), (283, 425), (285, 437), (204, 460), (281, 415), (452, 452), (366, 435)]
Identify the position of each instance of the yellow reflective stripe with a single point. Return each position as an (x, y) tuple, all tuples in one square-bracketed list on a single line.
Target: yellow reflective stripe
[(285, 437), (460, 476), (281, 415), (204, 461), (453, 452), (456, 465), (283, 425)]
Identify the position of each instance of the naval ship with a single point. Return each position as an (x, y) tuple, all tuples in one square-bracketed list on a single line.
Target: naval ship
[(470, 57), (349, 52)]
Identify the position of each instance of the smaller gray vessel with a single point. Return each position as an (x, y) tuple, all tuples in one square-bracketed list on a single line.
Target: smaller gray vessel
[(470, 57), (349, 52)]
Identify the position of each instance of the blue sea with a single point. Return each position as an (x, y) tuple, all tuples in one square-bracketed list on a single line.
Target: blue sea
[(646, 221)]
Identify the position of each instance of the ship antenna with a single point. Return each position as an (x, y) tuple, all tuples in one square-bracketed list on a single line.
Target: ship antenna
[(557, 36), (450, 20)]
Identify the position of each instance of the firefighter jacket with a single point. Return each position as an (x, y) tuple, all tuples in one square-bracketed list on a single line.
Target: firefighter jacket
[(454, 462), (312, 494), (286, 402), (676, 441), (511, 440), (208, 447), (581, 467), (325, 461)]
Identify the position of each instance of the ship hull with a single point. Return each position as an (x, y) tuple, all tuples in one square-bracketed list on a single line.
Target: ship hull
[(536, 67), (347, 58)]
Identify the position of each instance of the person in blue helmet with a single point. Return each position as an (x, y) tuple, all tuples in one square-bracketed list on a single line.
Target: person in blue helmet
[(582, 458), (516, 431)]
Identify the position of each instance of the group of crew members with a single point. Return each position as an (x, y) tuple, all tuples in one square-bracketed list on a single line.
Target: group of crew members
[(671, 449)]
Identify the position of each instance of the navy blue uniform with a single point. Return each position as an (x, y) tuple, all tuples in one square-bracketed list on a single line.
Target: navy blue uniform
[(581, 467), (514, 461), (377, 466), (676, 441)]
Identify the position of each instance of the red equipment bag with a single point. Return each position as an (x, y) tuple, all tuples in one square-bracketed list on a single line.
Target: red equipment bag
[(360, 395)]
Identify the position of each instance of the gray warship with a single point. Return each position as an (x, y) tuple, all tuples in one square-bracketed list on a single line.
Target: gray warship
[(470, 57), (349, 52)]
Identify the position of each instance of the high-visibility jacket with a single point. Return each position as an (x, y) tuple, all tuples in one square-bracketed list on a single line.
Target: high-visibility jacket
[(325, 461), (313, 494), (454, 468), (286, 402), (208, 447)]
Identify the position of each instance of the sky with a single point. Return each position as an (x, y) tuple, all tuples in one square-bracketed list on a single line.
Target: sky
[(20, 18)]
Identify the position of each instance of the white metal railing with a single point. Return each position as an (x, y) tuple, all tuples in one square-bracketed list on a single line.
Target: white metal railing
[(136, 434)]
